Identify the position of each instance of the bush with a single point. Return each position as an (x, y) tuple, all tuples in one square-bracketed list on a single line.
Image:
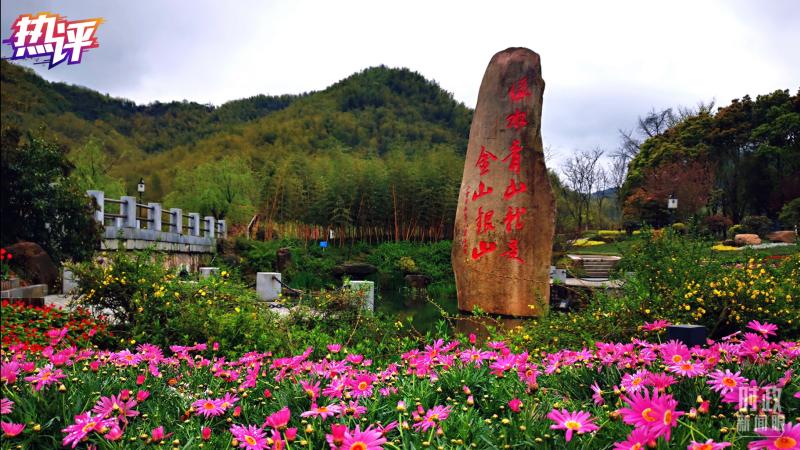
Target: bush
[(717, 224), (736, 229), (760, 225), (679, 227), (40, 203), (790, 214)]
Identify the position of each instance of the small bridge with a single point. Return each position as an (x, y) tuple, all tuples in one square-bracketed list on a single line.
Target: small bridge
[(184, 237)]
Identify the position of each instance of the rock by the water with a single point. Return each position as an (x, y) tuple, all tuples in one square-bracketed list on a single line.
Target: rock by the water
[(283, 257), (747, 239), (33, 264), (506, 210), (354, 268), (787, 236), (417, 281)]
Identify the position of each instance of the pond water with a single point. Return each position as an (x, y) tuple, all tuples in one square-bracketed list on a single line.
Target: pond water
[(425, 311)]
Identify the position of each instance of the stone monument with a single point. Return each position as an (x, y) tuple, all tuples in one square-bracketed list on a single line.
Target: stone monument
[(505, 221)]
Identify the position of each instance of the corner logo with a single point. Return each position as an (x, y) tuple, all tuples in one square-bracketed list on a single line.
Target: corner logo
[(51, 39)]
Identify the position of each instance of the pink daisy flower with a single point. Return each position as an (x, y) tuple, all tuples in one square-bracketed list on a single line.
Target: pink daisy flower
[(724, 382), (322, 411), (660, 381), (362, 385), (228, 400), (336, 438), (675, 352), (6, 406), (368, 439), (352, 409), (114, 405), (11, 429), (597, 394), (765, 329), (84, 424), (278, 420), (573, 422), (250, 437), (47, 375), (656, 325), (634, 382), (657, 413), (639, 439), (708, 445), (208, 407), (515, 404), (312, 390), (432, 418), (687, 368), (786, 439)]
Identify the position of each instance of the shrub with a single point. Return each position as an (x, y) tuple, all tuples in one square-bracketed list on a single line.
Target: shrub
[(759, 225), (790, 214), (679, 227), (735, 229), (717, 224)]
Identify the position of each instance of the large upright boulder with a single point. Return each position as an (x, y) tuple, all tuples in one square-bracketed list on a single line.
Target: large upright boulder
[(33, 264), (506, 209)]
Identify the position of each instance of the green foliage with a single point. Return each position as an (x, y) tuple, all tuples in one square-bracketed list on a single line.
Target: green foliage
[(40, 202), (759, 225), (91, 168), (735, 229), (790, 214), (226, 189), (751, 146)]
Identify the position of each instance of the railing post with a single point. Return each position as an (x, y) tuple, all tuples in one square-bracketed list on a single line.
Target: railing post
[(222, 229), (154, 216), (194, 229), (210, 225), (100, 198), (176, 220), (128, 209)]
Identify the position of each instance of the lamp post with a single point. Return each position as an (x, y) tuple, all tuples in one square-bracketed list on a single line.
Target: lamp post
[(140, 188), (672, 205)]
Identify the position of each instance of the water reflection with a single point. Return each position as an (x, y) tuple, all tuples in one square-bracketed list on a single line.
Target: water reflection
[(425, 312)]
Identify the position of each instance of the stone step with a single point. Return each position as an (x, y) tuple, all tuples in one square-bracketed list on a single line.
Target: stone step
[(32, 291)]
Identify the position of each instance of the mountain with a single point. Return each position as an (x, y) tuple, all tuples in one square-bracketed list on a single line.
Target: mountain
[(368, 114)]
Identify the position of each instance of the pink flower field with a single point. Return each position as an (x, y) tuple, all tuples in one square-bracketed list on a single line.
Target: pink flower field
[(739, 392)]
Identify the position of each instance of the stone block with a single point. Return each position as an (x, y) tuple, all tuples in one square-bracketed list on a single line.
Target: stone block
[(268, 286), (366, 288)]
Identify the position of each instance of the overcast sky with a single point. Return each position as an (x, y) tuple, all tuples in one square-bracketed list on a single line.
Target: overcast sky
[(604, 63)]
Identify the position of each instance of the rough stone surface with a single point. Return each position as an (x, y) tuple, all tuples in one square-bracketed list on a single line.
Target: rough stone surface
[(354, 269), (747, 239), (787, 236), (33, 264), (501, 264), (417, 281), (283, 257)]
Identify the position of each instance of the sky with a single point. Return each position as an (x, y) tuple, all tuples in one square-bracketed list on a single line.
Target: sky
[(604, 63)]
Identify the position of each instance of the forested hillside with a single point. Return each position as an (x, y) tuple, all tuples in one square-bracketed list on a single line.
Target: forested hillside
[(382, 146)]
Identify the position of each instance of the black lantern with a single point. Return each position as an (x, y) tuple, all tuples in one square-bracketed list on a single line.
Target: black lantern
[(140, 188)]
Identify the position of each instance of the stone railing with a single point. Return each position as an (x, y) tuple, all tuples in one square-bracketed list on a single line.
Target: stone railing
[(147, 225)]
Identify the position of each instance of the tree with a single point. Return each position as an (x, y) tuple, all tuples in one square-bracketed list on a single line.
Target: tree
[(689, 181), (617, 174), (225, 189), (92, 168), (580, 174), (41, 203)]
